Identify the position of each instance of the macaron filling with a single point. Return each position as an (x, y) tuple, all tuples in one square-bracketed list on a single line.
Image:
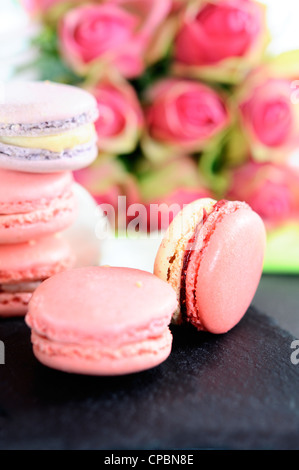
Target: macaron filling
[(193, 256), (15, 296), (19, 287), (55, 143), (28, 280)]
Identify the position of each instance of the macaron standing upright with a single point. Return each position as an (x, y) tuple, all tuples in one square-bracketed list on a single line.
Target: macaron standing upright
[(212, 254), (46, 127)]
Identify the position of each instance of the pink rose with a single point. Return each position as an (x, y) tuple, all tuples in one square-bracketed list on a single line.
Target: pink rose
[(120, 116), (115, 33), (271, 190), (221, 40), (269, 118), (185, 114)]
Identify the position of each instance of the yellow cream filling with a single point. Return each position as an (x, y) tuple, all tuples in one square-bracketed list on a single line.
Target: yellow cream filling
[(57, 142)]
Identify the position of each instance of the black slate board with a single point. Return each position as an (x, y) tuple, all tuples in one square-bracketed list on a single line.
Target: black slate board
[(233, 391)]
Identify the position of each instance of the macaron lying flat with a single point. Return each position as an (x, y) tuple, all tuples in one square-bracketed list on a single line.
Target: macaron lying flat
[(46, 127), (24, 266), (34, 205), (102, 320), (212, 255)]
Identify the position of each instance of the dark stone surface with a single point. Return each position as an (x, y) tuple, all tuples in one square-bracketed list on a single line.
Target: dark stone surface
[(233, 391), (278, 297)]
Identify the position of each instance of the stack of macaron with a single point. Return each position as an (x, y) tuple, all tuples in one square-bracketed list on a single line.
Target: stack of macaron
[(46, 131)]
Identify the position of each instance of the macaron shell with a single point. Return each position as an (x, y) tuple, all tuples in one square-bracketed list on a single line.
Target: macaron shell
[(25, 192), (34, 102), (72, 359), (32, 206), (20, 228), (70, 161), (230, 271), (35, 260), (137, 301), (14, 305), (102, 320)]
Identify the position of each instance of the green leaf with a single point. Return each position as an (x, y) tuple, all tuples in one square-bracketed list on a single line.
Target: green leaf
[(49, 64), (151, 74)]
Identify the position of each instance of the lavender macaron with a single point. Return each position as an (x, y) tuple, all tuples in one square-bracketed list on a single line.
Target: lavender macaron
[(46, 127)]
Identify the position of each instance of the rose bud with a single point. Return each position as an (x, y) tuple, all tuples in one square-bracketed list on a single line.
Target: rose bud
[(268, 116), (271, 190), (221, 40), (114, 35), (182, 116), (120, 116)]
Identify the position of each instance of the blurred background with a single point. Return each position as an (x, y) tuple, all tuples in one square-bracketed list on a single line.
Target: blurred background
[(196, 98)]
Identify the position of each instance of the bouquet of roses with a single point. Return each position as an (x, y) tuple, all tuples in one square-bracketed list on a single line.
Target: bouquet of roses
[(190, 102)]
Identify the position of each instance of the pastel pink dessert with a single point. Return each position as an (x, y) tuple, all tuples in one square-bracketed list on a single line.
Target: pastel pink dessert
[(46, 127), (212, 255), (24, 266), (102, 320), (34, 205)]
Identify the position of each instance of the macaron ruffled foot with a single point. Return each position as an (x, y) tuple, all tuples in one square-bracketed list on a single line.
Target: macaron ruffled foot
[(34, 205), (102, 321)]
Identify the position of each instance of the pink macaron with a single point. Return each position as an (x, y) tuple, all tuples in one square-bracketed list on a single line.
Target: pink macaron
[(33, 205), (24, 266), (46, 127), (102, 320), (212, 255)]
